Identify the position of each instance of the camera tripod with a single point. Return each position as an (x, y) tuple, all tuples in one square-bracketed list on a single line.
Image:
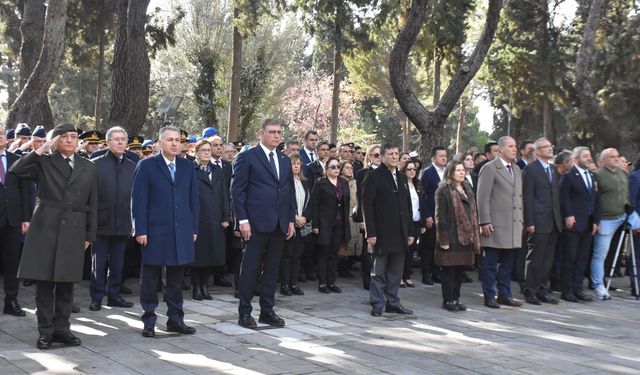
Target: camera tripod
[(626, 240)]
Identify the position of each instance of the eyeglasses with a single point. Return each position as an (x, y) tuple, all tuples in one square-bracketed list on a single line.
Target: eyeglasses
[(547, 146), (334, 166), (410, 169), (376, 155), (204, 150), (274, 132)]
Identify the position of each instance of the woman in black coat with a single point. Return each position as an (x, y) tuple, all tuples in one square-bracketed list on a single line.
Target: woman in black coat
[(215, 215), (294, 247), (418, 205), (330, 222)]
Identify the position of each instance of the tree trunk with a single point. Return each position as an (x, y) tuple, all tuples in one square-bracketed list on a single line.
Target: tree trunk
[(431, 124), (13, 88), (544, 45), (463, 107), (130, 68), (100, 85), (234, 95), (404, 120), (437, 80), (549, 131), (36, 87), (337, 76), (606, 133)]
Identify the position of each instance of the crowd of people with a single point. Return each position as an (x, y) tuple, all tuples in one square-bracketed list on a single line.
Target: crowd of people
[(279, 214)]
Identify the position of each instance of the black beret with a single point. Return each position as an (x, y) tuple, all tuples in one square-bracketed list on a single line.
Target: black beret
[(63, 128)]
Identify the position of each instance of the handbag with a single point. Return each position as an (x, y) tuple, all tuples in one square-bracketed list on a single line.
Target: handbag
[(306, 229)]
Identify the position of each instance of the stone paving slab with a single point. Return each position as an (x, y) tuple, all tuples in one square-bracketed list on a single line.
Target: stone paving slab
[(334, 334)]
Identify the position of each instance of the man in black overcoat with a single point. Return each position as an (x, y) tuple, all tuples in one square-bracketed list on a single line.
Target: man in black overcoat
[(388, 222), (14, 220), (62, 227), (115, 181)]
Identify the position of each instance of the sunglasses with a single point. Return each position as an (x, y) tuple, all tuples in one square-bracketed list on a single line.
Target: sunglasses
[(334, 166), (376, 155), (410, 169)]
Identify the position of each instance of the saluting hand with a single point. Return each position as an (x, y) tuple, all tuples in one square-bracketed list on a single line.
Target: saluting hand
[(47, 146)]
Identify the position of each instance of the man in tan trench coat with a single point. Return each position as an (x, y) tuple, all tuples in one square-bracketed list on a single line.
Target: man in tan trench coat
[(500, 219), (62, 227)]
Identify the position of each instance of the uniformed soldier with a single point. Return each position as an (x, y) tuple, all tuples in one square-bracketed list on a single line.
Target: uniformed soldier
[(91, 141), (63, 225), (135, 145)]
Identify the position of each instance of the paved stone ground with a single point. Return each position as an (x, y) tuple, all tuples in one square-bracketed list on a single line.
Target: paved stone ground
[(334, 334)]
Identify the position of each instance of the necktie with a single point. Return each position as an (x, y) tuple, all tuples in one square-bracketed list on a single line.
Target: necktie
[(2, 171), (311, 157), (510, 170), (549, 174), (586, 177), (272, 161), (395, 179), (172, 169), (217, 163), (69, 163)]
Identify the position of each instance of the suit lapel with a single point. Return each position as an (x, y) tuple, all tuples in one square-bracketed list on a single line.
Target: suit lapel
[(504, 172), (163, 167), (263, 158), (202, 175), (78, 167), (58, 161)]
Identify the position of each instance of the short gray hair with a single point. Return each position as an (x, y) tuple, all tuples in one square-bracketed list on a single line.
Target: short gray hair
[(537, 142), (562, 157), (167, 128), (115, 129), (503, 141), (577, 151), (604, 154)]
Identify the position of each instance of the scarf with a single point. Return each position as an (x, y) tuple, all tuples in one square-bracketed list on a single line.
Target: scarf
[(468, 232)]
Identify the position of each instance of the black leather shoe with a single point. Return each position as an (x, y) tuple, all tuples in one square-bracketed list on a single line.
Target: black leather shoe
[(509, 302), (376, 311), (436, 279), (323, 289), (125, 290), (426, 280), (584, 297), (247, 321), (546, 298), (44, 342), (221, 281), (75, 309), (461, 306), (271, 318), (491, 303), (285, 290), (236, 294), (205, 293), (409, 284), (450, 306), (569, 297), (531, 298), (148, 331), (119, 302), (180, 328), (95, 305), (296, 291), (66, 338), (197, 294), (333, 288), (399, 309), (13, 308)]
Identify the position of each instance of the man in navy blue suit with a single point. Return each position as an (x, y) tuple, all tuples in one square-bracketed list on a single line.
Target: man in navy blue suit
[(578, 197), (264, 203), (308, 153), (164, 207), (430, 180)]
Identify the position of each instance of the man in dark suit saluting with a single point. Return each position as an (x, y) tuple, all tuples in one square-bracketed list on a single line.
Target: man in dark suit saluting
[(264, 203), (64, 224), (165, 209), (14, 219), (541, 201), (387, 216)]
